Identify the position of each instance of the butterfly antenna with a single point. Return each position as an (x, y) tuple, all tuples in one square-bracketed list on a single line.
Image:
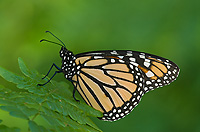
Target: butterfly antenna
[(51, 42), (56, 37)]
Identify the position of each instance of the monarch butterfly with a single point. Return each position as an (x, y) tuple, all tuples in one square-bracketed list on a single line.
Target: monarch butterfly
[(114, 81)]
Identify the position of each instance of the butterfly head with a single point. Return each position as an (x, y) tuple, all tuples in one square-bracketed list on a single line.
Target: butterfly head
[(68, 62), (64, 52), (68, 59)]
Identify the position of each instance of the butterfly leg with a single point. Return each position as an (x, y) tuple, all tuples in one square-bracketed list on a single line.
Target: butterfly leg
[(74, 90), (50, 78), (53, 65)]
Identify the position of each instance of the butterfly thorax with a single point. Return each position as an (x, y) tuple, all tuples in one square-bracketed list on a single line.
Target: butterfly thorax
[(68, 63)]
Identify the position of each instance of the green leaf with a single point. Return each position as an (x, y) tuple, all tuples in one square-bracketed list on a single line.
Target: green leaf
[(76, 125), (37, 98), (1, 120), (85, 108), (54, 102), (11, 77), (19, 114), (37, 90), (66, 121), (76, 114), (14, 111), (8, 108), (65, 129), (25, 100), (6, 102), (24, 68), (28, 111), (90, 123), (4, 128), (52, 105), (90, 111), (62, 89), (51, 120), (36, 128), (74, 111)]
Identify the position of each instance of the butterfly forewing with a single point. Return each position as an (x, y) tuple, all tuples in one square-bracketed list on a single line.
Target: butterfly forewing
[(157, 71)]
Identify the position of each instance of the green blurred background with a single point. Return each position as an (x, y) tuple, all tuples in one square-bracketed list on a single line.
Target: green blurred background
[(168, 28)]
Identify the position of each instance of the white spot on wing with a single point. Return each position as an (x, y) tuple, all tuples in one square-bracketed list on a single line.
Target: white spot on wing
[(112, 60), (148, 82), (147, 60), (169, 72), (131, 66), (121, 57), (132, 59), (122, 114), (114, 52), (121, 61), (145, 88), (117, 115), (129, 54), (97, 57), (78, 67), (149, 74), (158, 80), (135, 64), (147, 64), (141, 56)]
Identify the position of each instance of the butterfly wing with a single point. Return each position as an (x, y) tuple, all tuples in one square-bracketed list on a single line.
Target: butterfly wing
[(157, 71), (114, 81)]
